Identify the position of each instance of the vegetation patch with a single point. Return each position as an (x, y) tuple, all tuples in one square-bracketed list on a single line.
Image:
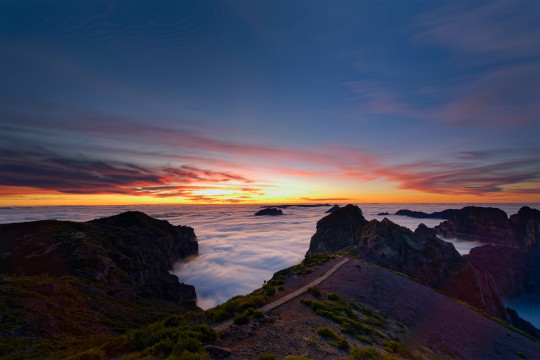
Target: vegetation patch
[(235, 306), (364, 353), (340, 343)]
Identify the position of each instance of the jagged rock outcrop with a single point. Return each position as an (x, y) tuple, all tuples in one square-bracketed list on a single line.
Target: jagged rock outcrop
[(269, 211), (338, 230), (433, 261), (483, 224), (420, 254), (515, 269), (129, 255), (445, 214), (526, 224), (333, 209)]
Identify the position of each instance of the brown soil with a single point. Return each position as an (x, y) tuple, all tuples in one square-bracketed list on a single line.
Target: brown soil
[(429, 325)]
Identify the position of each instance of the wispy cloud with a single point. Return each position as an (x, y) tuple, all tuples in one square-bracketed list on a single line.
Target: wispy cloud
[(491, 32), (474, 173), (45, 171)]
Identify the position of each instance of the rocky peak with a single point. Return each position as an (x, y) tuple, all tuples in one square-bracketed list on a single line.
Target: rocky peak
[(527, 226), (338, 230), (483, 224)]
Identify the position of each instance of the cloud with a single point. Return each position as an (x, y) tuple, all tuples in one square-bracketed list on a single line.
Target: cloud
[(494, 49), (505, 97), (474, 173), (42, 170), (492, 31), (324, 199)]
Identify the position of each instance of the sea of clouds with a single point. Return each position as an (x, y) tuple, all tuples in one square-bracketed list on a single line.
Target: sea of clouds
[(237, 250)]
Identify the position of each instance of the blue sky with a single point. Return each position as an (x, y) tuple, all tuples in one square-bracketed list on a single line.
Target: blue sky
[(261, 100)]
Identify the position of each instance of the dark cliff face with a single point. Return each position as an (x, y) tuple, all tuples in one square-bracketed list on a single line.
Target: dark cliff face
[(420, 254), (483, 224), (130, 254), (515, 269), (336, 231)]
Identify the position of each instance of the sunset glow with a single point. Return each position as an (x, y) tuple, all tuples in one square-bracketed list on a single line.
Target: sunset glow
[(244, 102)]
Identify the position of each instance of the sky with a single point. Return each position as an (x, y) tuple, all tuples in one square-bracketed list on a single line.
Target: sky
[(123, 102)]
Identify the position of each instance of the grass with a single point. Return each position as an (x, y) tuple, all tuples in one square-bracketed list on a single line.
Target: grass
[(267, 356), (309, 262), (342, 312), (235, 306), (333, 297), (391, 346), (80, 324), (364, 353), (364, 339), (241, 319), (340, 343)]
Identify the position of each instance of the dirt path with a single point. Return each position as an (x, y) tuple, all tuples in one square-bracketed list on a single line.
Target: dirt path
[(224, 325)]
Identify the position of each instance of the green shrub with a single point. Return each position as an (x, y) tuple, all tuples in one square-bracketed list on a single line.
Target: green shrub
[(364, 353), (314, 290), (249, 312), (327, 332), (342, 344), (207, 333), (374, 321), (521, 355), (241, 319), (281, 282), (234, 306), (391, 346), (257, 314), (267, 356), (306, 301), (333, 297), (270, 290), (280, 287), (364, 339)]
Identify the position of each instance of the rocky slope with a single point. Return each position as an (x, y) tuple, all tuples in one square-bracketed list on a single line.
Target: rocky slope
[(395, 318), (60, 277), (423, 255)]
